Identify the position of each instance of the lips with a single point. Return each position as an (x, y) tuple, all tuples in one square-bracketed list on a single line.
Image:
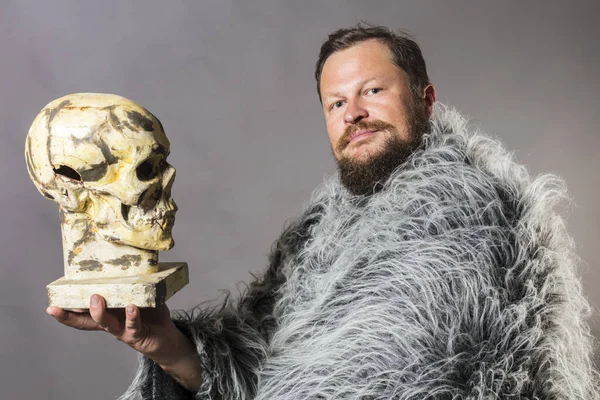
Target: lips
[(164, 221), (168, 221), (361, 134), (168, 224)]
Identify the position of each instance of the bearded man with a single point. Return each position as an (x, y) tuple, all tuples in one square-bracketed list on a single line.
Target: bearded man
[(430, 267)]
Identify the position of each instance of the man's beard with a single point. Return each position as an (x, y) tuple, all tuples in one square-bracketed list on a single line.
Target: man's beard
[(366, 177)]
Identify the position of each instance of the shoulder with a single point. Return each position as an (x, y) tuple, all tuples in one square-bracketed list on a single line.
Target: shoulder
[(462, 174)]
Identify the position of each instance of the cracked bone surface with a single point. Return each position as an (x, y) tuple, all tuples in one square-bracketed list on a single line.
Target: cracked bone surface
[(103, 159)]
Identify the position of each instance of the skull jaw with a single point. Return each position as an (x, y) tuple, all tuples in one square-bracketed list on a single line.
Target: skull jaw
[(155, 238), (127, 225)]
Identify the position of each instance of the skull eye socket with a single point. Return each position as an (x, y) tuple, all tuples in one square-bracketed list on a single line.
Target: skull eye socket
[(149, 169), (68, 172)]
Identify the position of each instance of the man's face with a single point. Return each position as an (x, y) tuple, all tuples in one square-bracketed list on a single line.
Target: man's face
[(372, 118)]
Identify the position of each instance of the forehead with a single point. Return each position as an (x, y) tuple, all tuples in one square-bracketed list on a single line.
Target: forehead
[(84, 135), (368, 59), (90, 116), (134, 134)]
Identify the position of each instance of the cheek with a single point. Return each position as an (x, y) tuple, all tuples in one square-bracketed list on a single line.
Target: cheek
[(398, 117), (391, 107), (384, 111), (334, 130)]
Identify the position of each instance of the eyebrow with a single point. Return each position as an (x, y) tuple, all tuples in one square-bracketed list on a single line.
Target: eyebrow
[(361, 83)]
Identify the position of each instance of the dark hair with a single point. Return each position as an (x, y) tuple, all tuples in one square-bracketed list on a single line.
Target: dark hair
[(406, 52)]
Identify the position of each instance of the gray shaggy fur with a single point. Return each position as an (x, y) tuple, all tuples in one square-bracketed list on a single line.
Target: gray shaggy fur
[(456, 281)]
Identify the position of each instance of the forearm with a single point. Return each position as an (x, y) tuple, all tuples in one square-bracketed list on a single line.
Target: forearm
[(187, 373), (183, 364)]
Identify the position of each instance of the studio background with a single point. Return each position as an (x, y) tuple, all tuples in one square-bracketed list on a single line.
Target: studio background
[(232, 82)]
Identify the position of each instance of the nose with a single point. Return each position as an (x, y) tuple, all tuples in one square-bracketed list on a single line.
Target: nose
[(168, 177), (355, 112)]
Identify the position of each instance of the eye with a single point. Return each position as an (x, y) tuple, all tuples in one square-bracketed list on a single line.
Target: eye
[(68, 172), (337, 104), (373, 91), (149, 169)]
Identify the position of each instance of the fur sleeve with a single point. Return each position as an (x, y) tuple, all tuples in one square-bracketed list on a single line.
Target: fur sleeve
[(231, 339)]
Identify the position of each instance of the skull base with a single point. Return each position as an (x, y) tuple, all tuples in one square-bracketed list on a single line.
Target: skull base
[(150, 290)]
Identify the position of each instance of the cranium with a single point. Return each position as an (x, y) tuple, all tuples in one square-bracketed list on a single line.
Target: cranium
[(103, 159)]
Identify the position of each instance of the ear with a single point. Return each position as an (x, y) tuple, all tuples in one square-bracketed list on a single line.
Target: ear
[(429, 97), (73, 200), (71, 196)]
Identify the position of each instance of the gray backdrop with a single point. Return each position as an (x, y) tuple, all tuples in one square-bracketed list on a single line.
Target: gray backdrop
[(232, 82)]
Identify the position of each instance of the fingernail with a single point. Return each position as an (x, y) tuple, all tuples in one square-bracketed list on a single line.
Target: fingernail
[(95, 301), (130, 309)]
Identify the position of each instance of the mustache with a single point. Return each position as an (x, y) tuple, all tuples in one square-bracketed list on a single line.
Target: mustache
[(375, 125)]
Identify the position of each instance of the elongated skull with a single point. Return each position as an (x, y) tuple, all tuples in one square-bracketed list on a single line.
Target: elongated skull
[(106, 157)]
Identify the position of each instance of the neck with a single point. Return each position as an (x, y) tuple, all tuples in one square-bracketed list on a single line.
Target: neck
[(88, 256)]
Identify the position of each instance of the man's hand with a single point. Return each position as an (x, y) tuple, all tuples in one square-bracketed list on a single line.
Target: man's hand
[(148, 331)]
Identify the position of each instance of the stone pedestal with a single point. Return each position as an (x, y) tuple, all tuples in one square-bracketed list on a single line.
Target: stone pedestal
[(149, 290)]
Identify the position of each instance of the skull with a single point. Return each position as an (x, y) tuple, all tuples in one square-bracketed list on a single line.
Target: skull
[(105, 157)]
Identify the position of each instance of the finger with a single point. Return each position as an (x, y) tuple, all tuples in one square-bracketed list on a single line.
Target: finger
[(133, 325), (106, 320), (159, 315), (74, 320), (164, 312)]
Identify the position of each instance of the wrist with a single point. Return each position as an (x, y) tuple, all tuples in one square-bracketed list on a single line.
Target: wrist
[(182, 362), (179, 348)]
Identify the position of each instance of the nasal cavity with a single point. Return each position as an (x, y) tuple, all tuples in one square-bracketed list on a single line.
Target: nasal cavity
[(150, 197), (125, 211)]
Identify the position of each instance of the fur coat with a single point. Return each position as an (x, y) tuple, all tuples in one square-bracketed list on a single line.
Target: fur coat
[(456, 281)]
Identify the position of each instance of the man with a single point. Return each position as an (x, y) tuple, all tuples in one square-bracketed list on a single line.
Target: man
[(431, 267)]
